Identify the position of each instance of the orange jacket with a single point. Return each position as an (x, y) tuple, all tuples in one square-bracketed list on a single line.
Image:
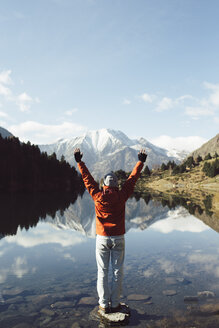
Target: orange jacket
[(110, 202)]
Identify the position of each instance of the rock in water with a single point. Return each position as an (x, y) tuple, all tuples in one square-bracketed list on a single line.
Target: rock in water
[(206, 294), (117, 318), (190, 299), (114, 318), (88, 301), (169, 292), (138, 297)]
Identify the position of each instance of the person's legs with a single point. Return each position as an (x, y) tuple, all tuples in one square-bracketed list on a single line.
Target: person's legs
[(117, 260), (102, 258)]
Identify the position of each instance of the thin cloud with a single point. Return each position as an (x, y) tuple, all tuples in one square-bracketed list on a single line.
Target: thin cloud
[(24, 102), (207, 106), (192, 107), (5, 77), (165, 104), (216, 119), (214, 96), (3, 114), (196, 112), (126, 102), (5, 80), (146, 97), (39, 133), (71, 111)]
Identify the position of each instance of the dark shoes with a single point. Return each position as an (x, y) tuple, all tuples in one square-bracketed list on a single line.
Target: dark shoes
[(116, 309), (122, 307)]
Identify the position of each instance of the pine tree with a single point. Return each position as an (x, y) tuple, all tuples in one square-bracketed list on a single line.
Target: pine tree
[(198, 159), (164, 167), (147, 171), (208, 156), (190, 162)]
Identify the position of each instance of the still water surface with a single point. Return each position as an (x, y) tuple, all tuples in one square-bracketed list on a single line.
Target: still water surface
[(48, 271)]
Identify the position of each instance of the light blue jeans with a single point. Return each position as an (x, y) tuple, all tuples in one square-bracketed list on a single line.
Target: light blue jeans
[(109, 247)]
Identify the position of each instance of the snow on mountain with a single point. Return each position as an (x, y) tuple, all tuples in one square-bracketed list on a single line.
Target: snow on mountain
[(178, 154), (105, 150)]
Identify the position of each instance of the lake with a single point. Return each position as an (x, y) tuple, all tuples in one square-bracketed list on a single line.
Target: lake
[(48, 268)]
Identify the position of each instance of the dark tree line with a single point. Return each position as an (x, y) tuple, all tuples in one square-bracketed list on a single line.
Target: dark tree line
[(169, 166), (25, 210), (210, 169), (24, 168)]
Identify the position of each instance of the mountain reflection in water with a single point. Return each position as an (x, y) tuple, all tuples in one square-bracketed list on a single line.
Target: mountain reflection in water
[(48, 269), (76, 211)]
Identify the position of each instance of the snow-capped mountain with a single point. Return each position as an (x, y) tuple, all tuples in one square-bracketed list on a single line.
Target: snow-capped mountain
[(105, 150)]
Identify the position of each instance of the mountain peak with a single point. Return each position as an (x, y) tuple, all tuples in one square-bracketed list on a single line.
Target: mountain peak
[(106, 149), (104, 139)]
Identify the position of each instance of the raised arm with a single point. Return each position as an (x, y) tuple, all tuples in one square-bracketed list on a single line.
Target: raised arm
[(90, 183), (129, 185)]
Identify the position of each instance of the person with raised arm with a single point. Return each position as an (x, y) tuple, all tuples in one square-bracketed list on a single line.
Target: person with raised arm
[(110, 228)]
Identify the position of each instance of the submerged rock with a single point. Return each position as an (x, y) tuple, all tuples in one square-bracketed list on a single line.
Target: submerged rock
[(40, 300), (176, 281), (138, 297), (206, 294), (169, 292), (75, 325), (61, 305), (47, 312), (190, 299), (88, 301), (15, 300), (13, 291), (23, 325), (209, 309)]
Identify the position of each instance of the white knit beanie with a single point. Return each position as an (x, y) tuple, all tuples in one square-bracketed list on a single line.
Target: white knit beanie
[(110, 180)]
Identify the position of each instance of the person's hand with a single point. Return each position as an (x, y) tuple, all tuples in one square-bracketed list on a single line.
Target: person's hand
[(78, 155), (142, 155)]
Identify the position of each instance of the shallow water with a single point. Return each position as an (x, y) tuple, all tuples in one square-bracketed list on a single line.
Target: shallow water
[(48, 271)]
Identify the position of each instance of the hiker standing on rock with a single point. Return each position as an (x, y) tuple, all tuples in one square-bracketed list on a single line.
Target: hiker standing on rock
[(110, 228)]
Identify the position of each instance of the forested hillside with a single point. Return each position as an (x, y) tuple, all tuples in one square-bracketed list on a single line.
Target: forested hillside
[(24, 168)]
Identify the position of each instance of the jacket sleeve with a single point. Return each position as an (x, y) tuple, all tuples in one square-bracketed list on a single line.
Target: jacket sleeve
[(128, 187), (91, 185)]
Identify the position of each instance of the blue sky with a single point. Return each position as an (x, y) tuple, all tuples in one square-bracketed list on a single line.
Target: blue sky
[(147, 68)]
